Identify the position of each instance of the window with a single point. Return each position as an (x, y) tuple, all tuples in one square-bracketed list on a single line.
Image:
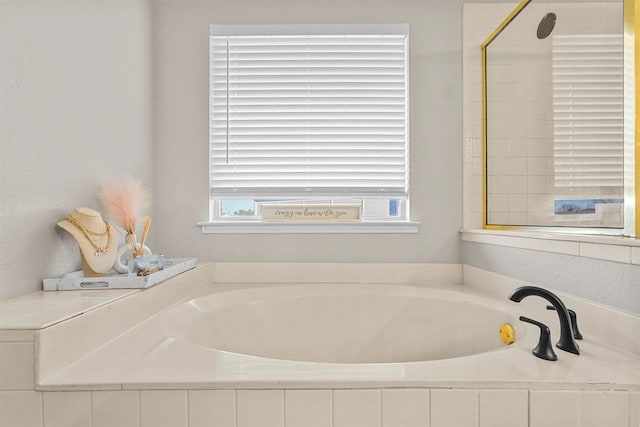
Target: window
[(309, 114)]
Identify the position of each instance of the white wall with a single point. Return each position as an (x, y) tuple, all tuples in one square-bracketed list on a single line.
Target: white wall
[(181, 62), (75, 112), (89, 89)]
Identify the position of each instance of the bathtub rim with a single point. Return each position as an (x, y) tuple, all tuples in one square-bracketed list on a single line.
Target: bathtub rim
[(70, 377)]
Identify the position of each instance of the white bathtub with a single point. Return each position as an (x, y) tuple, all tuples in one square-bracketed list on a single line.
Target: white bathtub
[(215, 344), (194, 332), (341, 323)]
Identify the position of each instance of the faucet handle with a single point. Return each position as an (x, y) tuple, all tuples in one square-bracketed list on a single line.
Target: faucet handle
[(543, 350), (574, 322)]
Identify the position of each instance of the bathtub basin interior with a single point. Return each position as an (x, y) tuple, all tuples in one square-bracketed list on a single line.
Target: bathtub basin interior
[(340, 323)]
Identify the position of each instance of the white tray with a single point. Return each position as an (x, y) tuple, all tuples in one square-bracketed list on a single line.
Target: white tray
[(76, 281)]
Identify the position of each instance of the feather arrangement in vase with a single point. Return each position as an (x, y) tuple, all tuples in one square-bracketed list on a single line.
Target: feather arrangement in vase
[(125, 202)]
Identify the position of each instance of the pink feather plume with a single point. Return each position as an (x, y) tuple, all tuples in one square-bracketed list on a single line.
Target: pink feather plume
[(125, 202)]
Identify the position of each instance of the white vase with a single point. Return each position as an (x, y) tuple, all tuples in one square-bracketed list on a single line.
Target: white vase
[(124, 258)]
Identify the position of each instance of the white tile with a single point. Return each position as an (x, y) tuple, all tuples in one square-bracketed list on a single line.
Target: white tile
[(536, 128), (504, 408), (21, 408), (517, 203), (115, 408), (477, 166), (454, 408), (536, 165), (502, 240), (17, 366), (498, 202), (163, 408), (260, 408), (537, 184), (499, 218), (561, 247), (497, 185), (537, 147), (604, 408), (552, 408), (405, 408), (517, 218), (476, 143), (634, 409), (356, 408), (606, 252), (635, 255), (212, 408), (17, 335), (308, 408), (520, 242), (67, 409), (538, 203)]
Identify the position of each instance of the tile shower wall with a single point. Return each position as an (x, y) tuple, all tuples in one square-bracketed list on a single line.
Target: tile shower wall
[(520, 127), (478, 22), (521, 182)]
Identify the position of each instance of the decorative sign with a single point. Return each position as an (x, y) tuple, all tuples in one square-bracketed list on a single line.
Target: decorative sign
[(327, 213)]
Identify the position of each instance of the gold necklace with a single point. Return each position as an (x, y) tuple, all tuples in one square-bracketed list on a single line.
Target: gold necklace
[(100, 250)]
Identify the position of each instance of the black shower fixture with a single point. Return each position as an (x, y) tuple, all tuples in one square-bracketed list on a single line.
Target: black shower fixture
[(546, 25)]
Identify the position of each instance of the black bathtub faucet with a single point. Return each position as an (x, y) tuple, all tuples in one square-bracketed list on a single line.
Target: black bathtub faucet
[(566, 341)]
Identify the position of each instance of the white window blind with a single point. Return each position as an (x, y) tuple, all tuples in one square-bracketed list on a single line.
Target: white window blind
[(309, 111), (588, 111)]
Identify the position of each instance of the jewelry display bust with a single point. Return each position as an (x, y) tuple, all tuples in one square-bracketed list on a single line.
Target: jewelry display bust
[(97, 240)]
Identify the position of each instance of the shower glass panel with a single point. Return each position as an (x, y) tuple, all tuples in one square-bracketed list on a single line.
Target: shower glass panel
[(554, 131)]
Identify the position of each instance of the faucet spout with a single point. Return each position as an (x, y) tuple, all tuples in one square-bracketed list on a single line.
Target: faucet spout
[(566, 341)]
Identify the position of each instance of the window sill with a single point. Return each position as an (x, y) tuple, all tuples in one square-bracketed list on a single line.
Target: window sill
[(610, 248), (257, 227)]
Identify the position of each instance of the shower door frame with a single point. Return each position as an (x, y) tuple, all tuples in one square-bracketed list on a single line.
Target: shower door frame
[(631, 219)]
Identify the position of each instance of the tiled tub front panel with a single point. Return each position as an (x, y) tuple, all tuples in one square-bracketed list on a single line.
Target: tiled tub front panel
[(22, 406), (17, 365), (322, 408)]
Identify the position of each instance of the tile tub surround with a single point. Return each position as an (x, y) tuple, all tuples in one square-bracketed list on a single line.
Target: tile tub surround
[(321, 408), (332, 404)]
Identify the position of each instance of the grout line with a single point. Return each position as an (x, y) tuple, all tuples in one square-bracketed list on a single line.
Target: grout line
[(91, 408), (333, 410), (188, 411), (529, 407), (284, 407), (42, 407), (235, 404), (430, 407), (380, 407), (628, 394), (380, 403), (478, 407)]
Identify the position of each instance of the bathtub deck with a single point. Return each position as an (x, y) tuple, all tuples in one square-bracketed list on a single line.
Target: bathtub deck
[(146, 358), (114, 342)]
